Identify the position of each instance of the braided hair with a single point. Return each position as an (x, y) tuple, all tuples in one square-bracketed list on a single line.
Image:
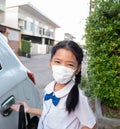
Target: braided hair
[(73, 96)]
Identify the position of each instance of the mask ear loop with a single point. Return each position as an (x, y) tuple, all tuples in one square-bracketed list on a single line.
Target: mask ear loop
[(76, 72), (73, 77), (78, 69)]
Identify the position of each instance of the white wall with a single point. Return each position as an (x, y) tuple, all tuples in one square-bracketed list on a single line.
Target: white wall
[(11, 17), (2, 17), (39, 49), (15, 2), (13, 35)]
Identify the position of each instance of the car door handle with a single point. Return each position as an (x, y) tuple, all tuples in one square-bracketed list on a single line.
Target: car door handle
[(5, 109)]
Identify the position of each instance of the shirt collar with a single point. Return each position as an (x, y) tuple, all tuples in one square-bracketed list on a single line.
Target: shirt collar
[(62, 92)]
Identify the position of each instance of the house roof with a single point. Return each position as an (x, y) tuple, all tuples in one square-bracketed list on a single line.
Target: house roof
[(36, 12)]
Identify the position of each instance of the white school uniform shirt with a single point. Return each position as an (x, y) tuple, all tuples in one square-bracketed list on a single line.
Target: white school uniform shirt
[(56, 117)]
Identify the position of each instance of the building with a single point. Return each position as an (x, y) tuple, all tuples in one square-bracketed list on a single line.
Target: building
[(92, 5), (68, 36), (12, 34), (14, 37), (2, 11), (34, 25), (62, 35)]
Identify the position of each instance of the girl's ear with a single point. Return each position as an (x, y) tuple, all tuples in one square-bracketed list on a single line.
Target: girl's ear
[(78, 69), (50, 64)]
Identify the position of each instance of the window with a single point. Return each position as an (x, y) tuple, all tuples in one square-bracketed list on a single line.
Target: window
[(43, 31), (31, 26), (28, 25), (47, 32), (40, 30), (25, 24)]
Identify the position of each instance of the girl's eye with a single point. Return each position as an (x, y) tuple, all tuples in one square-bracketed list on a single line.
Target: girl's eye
[(57, 62), (71, 65)]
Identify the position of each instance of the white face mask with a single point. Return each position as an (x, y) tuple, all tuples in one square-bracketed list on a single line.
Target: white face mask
[(62, 74)]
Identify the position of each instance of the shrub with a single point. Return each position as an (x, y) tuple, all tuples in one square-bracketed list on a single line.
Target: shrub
[(20, 52), (103, 46), (25, 46), (84, 82)]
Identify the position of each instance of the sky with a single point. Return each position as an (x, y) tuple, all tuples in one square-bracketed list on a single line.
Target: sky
[(70, 15)]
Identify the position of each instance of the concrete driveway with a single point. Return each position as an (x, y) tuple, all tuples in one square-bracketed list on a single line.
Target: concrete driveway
[(39, 65)]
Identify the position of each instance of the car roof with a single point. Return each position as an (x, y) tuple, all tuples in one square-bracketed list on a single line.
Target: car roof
[(7, 55)]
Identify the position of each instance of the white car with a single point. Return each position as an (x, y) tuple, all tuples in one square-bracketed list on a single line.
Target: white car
[(16, 84)]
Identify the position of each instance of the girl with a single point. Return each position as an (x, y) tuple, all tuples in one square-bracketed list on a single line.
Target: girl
[(64, 105)]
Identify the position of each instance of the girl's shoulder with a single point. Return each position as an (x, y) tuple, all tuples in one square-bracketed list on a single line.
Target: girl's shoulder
[(82, 96), (50, 87), (84, 112), (81, 92)]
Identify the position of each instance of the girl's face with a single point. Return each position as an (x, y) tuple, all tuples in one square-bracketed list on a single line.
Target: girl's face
[(65, 58)]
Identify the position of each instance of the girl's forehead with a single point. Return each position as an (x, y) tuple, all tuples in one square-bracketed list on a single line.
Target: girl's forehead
[(64, 54)]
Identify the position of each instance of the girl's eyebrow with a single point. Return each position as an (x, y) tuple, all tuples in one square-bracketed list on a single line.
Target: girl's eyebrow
[(69, 61), (57, 59)]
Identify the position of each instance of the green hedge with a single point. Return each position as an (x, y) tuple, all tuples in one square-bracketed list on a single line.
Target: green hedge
[(103, 46), (25, 47)]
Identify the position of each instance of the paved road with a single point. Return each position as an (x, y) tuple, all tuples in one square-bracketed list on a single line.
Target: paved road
[(39, 65)]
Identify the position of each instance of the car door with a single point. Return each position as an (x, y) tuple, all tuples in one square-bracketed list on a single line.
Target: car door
[(15, 85)]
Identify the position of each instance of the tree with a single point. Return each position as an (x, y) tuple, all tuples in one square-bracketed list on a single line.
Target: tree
[(103, 46)]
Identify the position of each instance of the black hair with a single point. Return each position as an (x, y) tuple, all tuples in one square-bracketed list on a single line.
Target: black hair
[(73, 96)]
